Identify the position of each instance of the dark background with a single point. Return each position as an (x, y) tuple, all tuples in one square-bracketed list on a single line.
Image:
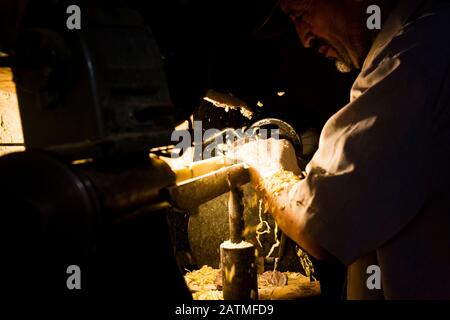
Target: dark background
[(250, 49), (247, 48)]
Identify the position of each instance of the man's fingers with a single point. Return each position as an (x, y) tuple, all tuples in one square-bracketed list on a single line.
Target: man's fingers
[(267, 156)]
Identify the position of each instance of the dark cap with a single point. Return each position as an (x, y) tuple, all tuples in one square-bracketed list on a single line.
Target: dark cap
[(275, 23)]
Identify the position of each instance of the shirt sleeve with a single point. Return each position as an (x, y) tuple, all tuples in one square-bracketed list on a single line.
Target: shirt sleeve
[(367, 180)]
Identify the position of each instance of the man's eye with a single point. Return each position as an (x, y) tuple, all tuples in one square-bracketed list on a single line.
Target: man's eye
[(297, 17)]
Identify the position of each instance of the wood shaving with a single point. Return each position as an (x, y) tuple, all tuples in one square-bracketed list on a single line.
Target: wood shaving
[(202, 279), (271, 285), (280, 181)]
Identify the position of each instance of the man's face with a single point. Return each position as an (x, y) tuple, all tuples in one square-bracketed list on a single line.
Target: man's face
[(336, 28)]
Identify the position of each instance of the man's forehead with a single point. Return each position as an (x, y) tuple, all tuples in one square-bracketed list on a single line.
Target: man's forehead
[(292, 6)]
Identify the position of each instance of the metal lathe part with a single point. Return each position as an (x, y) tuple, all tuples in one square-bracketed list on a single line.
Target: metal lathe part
[(235, 214), (194, 192), (239, 276), (227, 101), (197, 169)]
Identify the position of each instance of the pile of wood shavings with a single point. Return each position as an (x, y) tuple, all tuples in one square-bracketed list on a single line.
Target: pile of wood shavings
[(281, 180), (203, 279), (205, 284), (297, 287)]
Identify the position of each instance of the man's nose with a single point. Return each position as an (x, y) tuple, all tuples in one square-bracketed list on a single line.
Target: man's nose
[(304, 33)]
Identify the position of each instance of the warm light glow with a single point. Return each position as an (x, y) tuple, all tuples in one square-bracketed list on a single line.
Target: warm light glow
[(82, 161), (10, 125), (228, 102)]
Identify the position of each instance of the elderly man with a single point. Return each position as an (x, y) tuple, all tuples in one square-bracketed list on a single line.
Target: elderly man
[(377, 191)]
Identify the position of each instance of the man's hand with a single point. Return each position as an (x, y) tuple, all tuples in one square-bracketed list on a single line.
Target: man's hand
[(266, 157), (274, 171)]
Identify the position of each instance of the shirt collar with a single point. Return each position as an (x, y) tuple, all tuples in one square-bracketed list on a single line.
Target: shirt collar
[(394, 23)]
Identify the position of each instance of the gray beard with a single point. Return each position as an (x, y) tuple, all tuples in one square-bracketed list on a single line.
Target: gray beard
[(343, 67)]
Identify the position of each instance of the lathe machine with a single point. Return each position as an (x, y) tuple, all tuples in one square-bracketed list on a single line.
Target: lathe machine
[(94, 188)]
